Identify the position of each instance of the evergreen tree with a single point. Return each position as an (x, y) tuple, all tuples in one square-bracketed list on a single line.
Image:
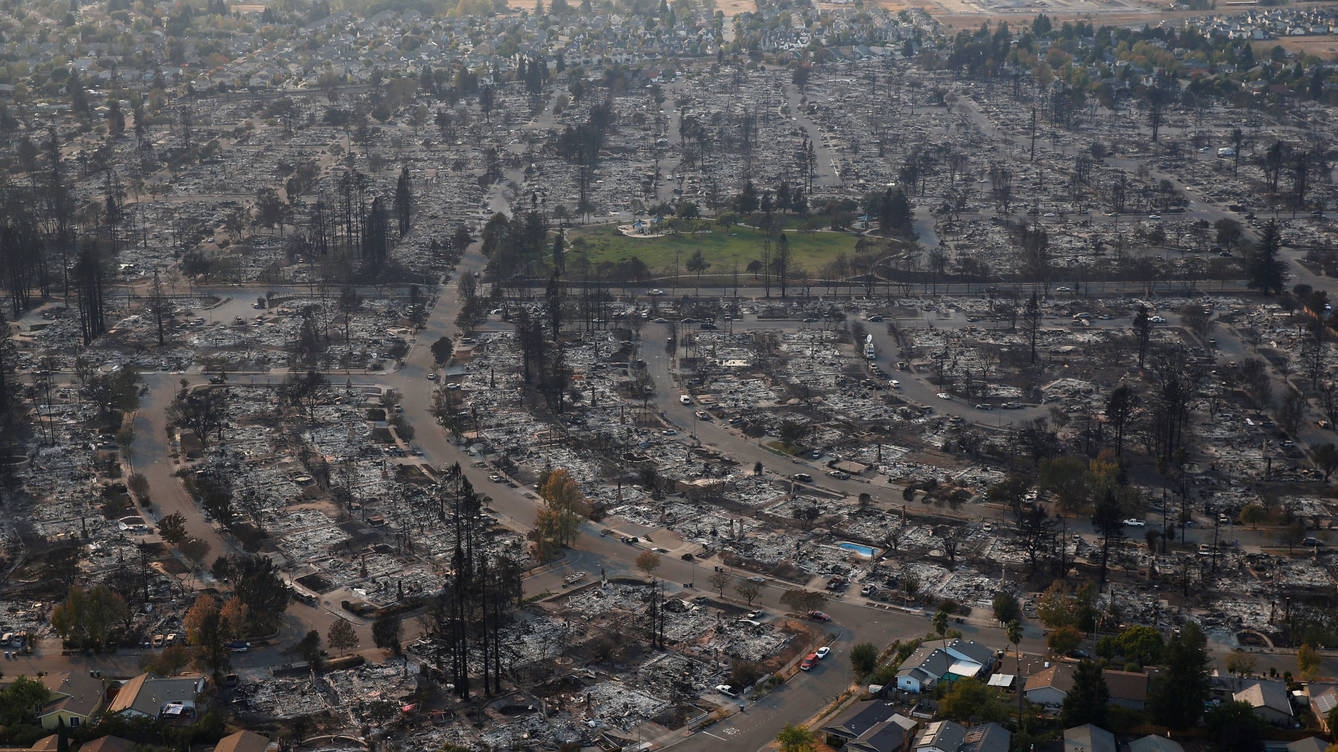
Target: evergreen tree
[(1178, 692), (1086, 701), (1266, 270), (404, 200)]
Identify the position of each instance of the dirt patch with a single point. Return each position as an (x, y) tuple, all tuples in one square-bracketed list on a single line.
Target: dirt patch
[(1325, 46)]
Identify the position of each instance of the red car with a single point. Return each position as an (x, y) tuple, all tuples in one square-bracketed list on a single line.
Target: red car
[(818, 616), (809, 662)]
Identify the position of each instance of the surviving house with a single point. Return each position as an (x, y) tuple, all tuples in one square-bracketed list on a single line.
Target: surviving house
[(1322, 702), (1269, 700), (1049, 686), (1128, 689), (149, 696), (1308, 744), (871, 727), (1155, 743), (75, 697), (941, 736), (929, 665), (243, 741), (991, 737), (1088, 738)]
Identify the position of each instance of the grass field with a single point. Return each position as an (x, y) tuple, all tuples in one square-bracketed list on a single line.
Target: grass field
[(722, 247)]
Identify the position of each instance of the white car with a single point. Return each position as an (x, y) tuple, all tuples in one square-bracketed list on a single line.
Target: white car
[(726, 690), (1158, 319), (1134, 522), (944, 396), (685, 399), (822, 652), (894, 384)]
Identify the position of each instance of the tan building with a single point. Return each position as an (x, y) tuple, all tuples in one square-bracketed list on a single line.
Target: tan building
[(243, 741)]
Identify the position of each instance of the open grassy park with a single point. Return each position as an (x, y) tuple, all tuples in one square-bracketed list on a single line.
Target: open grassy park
[(723, 247)]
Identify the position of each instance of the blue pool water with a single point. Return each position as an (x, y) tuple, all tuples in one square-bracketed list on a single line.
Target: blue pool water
[(865, 551)]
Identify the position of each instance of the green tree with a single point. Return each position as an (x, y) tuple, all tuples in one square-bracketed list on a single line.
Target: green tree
[(1006, 608), (20, 701), (941, 625), (442, 350), (1087, 700), (85, 617), (1013, 630), (1235, 727), (1178, 692), (172, 528), (1058, 607), (1108, 521), (259, 585), (1267, 271), (309, 648), (970, 701), (386, 631), (1066, 478), (1141, 644), (795, 738), (698, 264), (113, 392), (1064, 640), (864, 659), (1308, 660)]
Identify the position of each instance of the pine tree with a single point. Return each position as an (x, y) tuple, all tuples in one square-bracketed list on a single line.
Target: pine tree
[(1086, 701), (1178, 692), (404, 201), (1267, 271)]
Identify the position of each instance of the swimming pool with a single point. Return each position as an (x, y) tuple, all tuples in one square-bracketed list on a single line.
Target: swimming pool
[(867, 552)]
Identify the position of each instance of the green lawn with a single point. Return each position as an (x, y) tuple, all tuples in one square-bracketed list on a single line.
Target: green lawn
[(722, 248)]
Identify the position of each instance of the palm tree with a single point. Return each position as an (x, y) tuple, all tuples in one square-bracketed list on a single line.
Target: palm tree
[(698, 264), (1014, 631), (941, 625)]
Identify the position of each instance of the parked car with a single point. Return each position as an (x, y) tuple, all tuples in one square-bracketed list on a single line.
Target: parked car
[(726, 690), (822, 652), (818, 616), (809, 662)]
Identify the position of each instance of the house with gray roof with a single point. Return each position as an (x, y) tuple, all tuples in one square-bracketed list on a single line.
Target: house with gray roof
[(1089, 738)]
